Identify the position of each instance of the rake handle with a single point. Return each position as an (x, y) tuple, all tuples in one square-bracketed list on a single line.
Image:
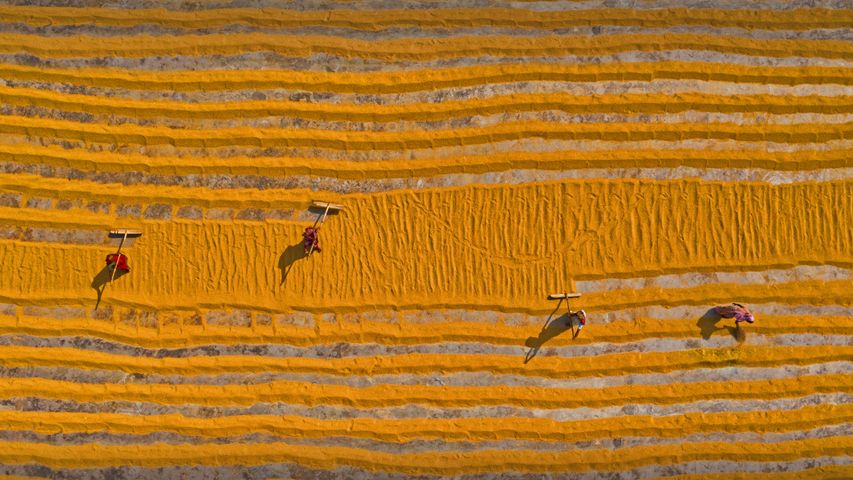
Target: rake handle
[(118, 253), (317, 228)]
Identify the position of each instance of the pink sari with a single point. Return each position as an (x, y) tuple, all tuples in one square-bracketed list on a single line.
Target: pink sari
[(736, 311)]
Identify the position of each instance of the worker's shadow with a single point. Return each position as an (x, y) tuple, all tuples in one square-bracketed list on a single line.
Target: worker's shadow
[(707, 324), (552, 328), (102, 279), (290, 255)]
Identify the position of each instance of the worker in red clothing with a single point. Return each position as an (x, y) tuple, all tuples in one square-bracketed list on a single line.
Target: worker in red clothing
[(311, 240), (118, 261)]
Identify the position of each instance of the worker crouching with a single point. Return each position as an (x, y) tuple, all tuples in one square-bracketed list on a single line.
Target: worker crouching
[(580, 316), (736, 311), (118, 261), (311, 240)]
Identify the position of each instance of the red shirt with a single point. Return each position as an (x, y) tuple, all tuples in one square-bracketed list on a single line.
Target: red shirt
[(120, 261)]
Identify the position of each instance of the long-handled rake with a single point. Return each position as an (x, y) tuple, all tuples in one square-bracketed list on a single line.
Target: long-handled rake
[(580, 314), (123, 233), (326, 206)]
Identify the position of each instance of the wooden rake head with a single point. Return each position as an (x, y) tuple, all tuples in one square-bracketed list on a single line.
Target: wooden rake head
[(563, 296), (326, 207)]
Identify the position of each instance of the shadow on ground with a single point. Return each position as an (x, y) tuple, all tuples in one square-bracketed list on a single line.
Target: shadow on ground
[(102, 279), (290, 255), (707, 324), (553, 327)]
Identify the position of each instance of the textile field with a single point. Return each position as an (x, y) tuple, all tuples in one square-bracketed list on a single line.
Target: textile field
[(658, 158)]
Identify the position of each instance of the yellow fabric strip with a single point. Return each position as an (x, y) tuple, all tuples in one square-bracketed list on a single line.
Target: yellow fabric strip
[(91, 257), (419, 139), (427, 79), (412, 49), (444, 463), (454, 430), (61, 188), (344, 169), (176, 331), (373, 20), (607, 228), (386, 395), (55, 219), (422, 363), (368, 112)]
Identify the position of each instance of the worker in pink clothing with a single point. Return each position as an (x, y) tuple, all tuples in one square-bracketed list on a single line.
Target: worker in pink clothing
[(736, 311)]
